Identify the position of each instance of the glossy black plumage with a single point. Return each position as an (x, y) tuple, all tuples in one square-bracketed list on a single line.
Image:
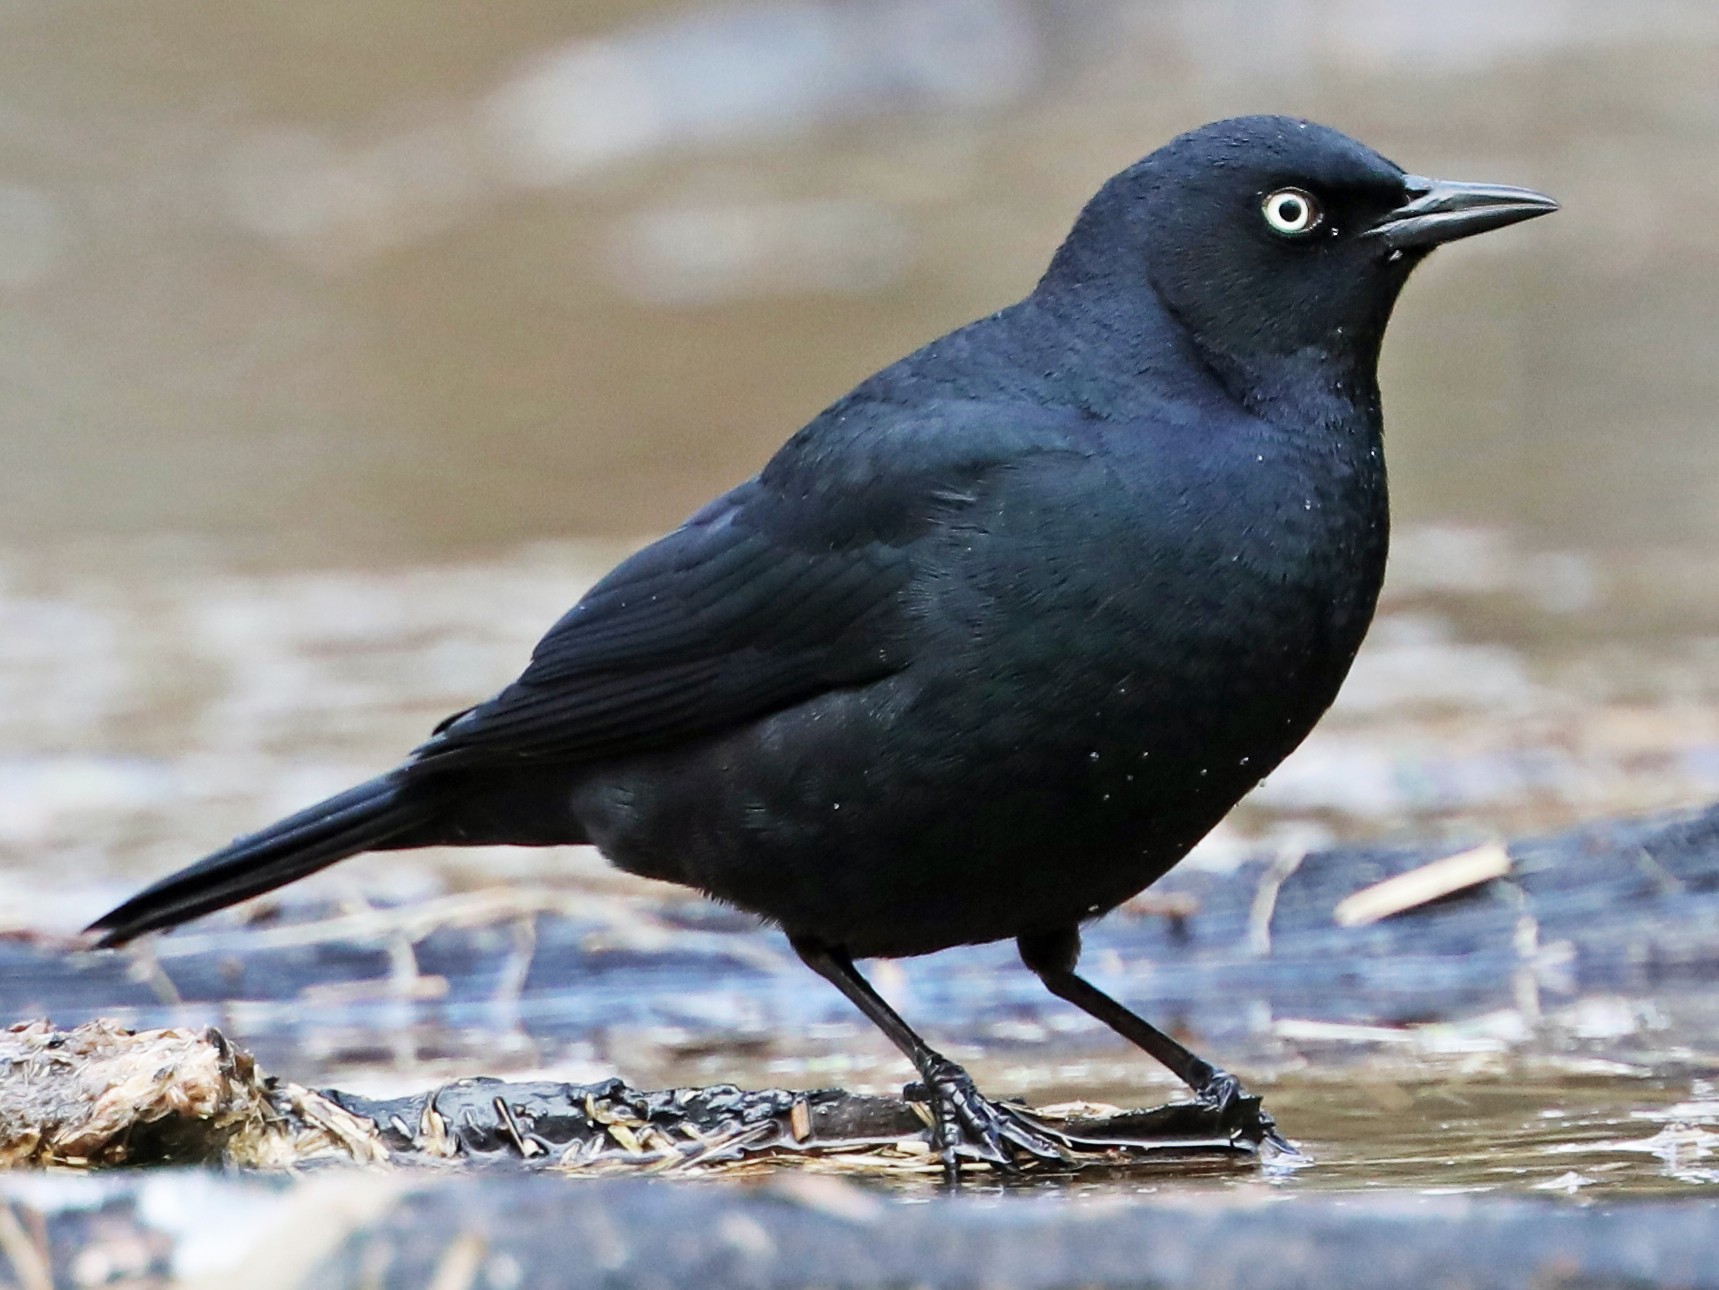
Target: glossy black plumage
[(996, 638)]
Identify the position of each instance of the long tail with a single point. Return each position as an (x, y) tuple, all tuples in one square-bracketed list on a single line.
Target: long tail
[(360, 819)]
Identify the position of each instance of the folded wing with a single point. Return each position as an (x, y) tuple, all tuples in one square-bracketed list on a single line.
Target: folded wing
[(794, 584)]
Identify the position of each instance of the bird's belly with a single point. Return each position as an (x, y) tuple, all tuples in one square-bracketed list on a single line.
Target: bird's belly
[(906, 817)]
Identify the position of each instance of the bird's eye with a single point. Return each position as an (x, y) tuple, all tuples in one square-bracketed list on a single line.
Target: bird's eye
[(1291, 212)]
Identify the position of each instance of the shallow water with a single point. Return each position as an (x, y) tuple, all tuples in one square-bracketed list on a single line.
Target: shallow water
[(1584, 1136)]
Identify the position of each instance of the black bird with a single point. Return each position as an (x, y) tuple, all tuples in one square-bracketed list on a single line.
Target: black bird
[(987, 646)]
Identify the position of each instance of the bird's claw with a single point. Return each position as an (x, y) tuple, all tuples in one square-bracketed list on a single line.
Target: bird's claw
[(966, 1124), (1241, 1114)]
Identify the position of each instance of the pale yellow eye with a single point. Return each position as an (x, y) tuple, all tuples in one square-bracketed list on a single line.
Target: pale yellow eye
[(1292, 212)]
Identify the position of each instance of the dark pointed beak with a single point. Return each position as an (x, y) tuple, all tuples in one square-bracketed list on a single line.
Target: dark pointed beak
[(1440, 211)]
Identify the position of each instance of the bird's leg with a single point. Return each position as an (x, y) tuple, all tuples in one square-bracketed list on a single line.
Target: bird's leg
[(1052, 955), (964, 1123)]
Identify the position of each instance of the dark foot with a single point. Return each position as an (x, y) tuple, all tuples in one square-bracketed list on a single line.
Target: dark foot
[(1240, 1113), (964, 1123)]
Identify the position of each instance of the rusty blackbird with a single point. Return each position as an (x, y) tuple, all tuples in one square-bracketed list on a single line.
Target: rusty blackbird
[(991, 642)]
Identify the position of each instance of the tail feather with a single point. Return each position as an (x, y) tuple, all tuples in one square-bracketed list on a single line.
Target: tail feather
[(361, 819)]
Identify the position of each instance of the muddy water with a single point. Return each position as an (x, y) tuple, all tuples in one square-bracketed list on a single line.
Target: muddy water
[(1574, 1137), (1569, 1135), (341, 346)]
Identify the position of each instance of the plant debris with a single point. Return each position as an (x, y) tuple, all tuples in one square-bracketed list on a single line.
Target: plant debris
[(101, 1095)]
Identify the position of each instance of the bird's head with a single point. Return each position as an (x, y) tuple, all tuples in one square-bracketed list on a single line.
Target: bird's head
[(1270, 238)]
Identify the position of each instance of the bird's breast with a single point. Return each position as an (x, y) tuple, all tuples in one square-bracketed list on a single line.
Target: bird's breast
[(1178, 644)]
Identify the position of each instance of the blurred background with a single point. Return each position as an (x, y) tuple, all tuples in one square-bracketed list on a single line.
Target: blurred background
[(342, 345)]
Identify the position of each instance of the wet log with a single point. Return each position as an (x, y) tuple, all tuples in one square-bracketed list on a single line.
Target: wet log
[(1254, 963)]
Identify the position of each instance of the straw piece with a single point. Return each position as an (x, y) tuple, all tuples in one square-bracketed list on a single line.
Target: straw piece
[(1421, 886)]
